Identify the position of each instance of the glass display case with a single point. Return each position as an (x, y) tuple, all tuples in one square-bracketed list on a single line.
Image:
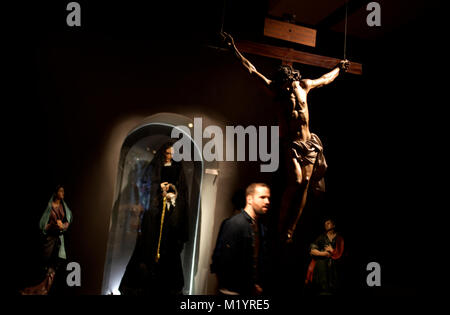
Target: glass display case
[(132, 199)]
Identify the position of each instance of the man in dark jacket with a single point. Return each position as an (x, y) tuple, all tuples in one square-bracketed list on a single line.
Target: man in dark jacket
[(240, 256)]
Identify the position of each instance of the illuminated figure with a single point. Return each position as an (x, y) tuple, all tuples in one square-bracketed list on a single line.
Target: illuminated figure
[(155, 266), (305, 161), (54, 224), (327, 250)]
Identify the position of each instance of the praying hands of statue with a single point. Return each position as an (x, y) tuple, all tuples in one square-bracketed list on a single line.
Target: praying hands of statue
[(60, 224), (164, 188)]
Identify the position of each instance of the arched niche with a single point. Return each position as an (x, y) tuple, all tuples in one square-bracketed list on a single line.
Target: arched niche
[(137, 151)]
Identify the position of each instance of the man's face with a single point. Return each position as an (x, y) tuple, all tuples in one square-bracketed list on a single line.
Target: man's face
[(260, 200), (329, 225), (168, 154)]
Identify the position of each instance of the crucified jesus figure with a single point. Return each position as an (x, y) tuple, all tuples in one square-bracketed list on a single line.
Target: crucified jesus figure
[(305, 161)]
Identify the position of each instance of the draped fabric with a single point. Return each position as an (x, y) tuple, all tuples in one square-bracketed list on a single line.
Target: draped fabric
[(53, 246), (311, 152), (54, 238)]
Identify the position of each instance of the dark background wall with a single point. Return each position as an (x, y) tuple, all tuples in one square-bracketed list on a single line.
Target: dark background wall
[(71, 87)]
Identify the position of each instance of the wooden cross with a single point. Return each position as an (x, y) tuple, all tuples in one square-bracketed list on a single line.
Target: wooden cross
[(297, 34)]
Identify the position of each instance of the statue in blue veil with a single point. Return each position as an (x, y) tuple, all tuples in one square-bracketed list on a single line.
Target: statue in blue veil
[(53, 224)]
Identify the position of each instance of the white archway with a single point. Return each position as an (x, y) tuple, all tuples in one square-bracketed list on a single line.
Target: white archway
[(136, 151)]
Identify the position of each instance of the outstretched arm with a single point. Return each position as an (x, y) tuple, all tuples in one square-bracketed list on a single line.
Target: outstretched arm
[(328, 77), (251, 68)]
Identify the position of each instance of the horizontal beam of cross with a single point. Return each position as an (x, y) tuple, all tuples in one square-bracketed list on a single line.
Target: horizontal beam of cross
[(292, 55)]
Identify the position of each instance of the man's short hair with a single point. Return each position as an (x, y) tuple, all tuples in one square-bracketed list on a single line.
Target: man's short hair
[(251, 188)]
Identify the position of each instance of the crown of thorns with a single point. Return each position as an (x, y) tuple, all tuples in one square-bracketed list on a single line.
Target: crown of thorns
[(286, 73)]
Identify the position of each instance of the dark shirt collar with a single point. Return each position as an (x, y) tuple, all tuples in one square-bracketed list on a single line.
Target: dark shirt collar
[(248, 217)]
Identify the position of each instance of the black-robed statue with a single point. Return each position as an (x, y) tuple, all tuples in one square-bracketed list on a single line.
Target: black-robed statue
[(155, 266)]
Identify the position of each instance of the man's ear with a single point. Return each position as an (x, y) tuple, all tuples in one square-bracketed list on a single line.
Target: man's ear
[(249, 199)]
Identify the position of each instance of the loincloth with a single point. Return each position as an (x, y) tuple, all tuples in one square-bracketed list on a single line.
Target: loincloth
[(311, 152)]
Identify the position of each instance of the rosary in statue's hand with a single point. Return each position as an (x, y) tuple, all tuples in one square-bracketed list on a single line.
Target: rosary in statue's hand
[(164, 188)]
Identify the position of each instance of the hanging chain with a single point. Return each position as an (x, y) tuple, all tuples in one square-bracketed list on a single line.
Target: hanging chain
[(345, 30), (223, 16)]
